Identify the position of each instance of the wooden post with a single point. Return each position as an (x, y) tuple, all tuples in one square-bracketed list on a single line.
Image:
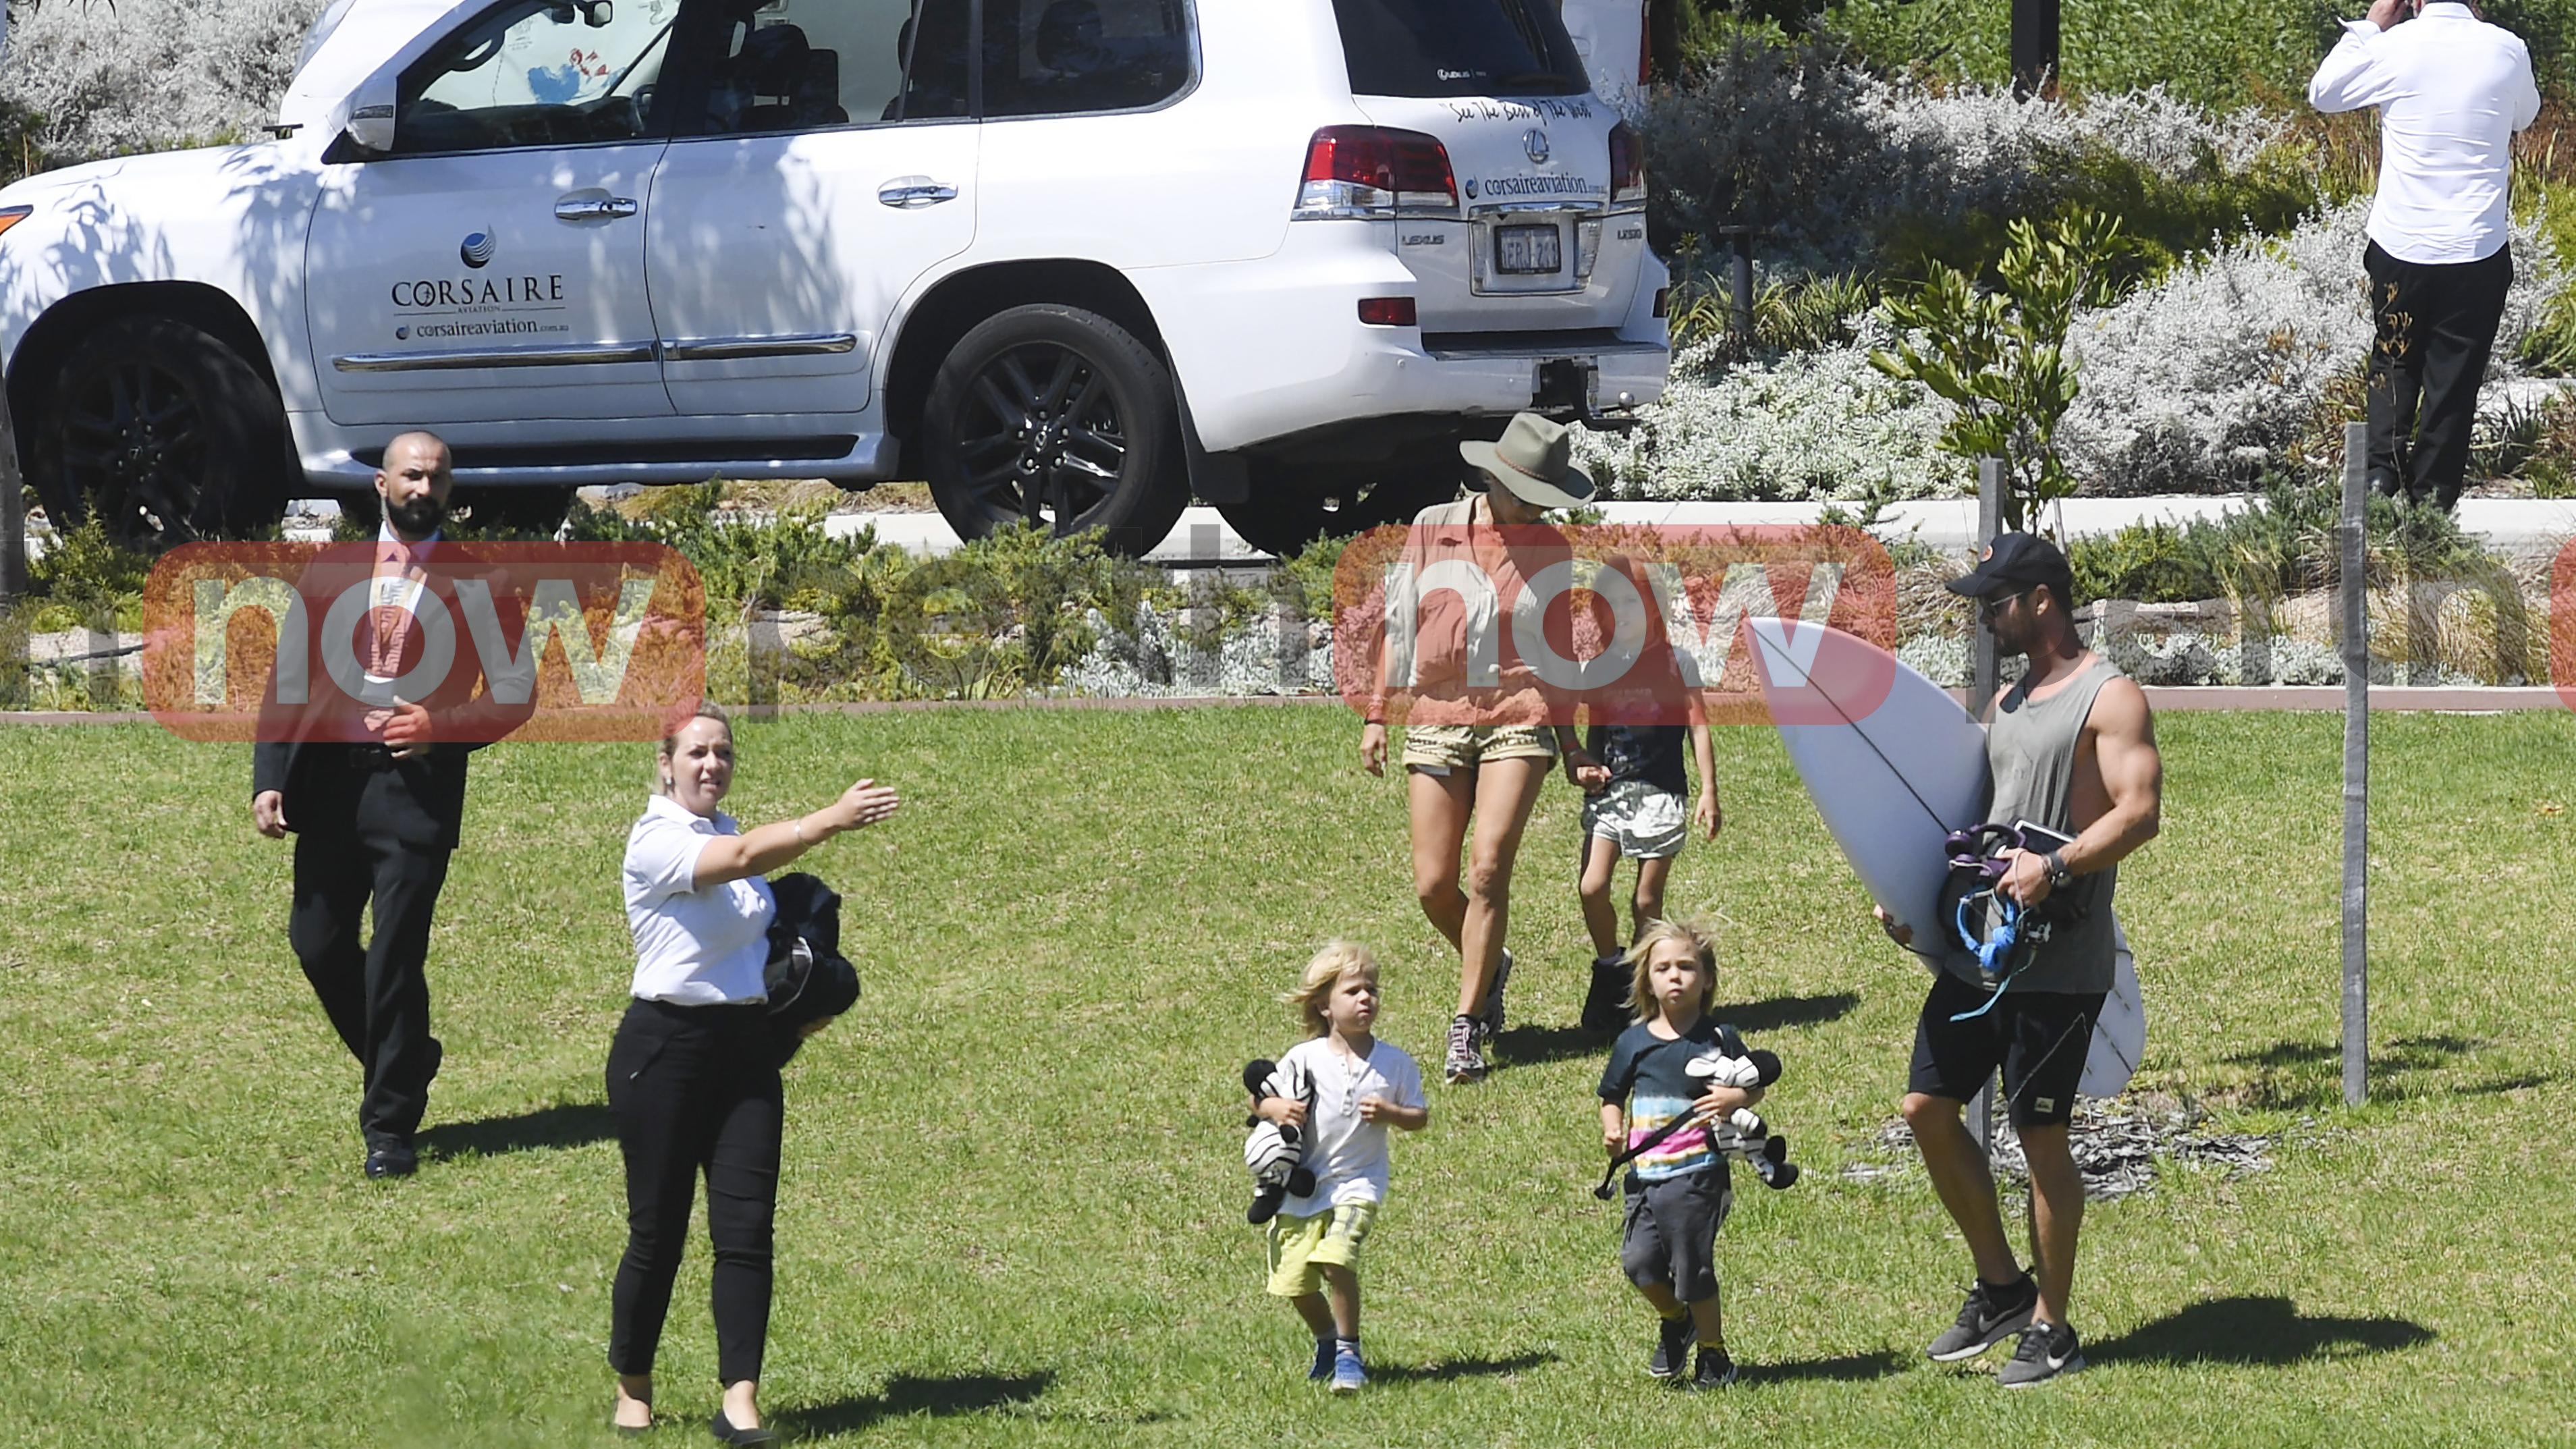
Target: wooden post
[(2356, 767), (1985, 678)]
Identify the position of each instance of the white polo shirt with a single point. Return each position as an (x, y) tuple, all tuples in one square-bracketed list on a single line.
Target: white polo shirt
[(693, 947), (2451, 91)]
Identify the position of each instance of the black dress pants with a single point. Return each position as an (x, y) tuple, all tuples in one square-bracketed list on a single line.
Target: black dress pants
[(2435, 325), (695, 1091), (376, 995)]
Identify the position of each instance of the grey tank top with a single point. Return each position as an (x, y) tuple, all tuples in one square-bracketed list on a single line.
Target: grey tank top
[(2031, 750)]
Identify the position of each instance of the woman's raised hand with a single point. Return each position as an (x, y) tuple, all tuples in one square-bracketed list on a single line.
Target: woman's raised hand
[(865, 803)]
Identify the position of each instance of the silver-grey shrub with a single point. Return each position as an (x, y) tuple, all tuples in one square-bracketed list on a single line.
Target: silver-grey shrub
[(147, 75)]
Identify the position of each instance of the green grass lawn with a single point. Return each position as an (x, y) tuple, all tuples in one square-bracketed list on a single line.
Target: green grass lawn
[(1012, 1210)]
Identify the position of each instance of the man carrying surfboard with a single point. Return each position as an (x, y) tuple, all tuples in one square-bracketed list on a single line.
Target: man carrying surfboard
[(2072, 749)]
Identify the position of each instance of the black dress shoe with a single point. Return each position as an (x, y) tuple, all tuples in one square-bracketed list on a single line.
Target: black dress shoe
[(725, 1432), (391, 1159)]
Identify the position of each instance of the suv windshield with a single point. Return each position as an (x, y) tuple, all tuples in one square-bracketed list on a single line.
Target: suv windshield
[(1458, 48)]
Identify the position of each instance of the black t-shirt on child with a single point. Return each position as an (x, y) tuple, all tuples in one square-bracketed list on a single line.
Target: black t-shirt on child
[(1652, 753), (1650, 1074)]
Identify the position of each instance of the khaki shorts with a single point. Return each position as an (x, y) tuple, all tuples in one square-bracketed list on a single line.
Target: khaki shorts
[(1644, 820), (1300, 1248), (1438, 749)]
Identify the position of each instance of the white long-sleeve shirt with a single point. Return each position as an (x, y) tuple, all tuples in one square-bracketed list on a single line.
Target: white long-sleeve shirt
[(2451, 91)]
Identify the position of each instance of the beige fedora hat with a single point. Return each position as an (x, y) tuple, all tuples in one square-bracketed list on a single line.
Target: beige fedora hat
[(1534, 460)]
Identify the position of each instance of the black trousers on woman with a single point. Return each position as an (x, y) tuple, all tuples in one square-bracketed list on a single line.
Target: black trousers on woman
[(695, 1091)]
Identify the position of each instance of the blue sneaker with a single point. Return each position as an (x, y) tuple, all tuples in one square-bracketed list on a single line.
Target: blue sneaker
[(1323, 1368), (1348, 1376)]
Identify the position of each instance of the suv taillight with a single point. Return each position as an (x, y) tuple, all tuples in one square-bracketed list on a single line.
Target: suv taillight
[(1375, 171), (1627, 167)]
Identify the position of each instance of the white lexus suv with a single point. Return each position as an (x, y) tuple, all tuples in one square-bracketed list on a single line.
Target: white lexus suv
[(1069, 260)]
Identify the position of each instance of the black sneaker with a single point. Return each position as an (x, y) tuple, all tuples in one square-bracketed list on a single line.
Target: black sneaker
[(1464, 1063), (1605, 1005), (1990, 1316), (2045, 1351), (1672, 1347), (1714, 1371)]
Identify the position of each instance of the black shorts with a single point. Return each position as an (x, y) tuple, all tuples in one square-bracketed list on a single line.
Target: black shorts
[(2038, 1038), (1669, 1232)]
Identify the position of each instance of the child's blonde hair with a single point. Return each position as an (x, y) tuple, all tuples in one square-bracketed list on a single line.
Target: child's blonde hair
[(1336, 959), (1641, 992)]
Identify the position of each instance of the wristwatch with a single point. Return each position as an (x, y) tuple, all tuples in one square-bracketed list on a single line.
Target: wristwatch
[(2058, 874)]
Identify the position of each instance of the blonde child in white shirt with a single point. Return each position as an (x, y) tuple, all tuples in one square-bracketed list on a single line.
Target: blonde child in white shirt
[(1362, 1086)]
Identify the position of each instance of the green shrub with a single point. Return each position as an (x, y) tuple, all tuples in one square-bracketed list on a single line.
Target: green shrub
[(784, 562), (83, 570), (2284, 541), (2215, 52)]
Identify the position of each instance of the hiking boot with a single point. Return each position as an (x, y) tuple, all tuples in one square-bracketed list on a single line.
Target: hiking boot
[(2045, 1351), (1323, 1366), (1348, 1376), (1714, 1371), (1672, 1347), (1465, 1063), (1605, 1005), (1989, 1316), (1489, 1022)]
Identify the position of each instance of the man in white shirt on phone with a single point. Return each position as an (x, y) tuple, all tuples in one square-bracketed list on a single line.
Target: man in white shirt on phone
[(2451, 91)]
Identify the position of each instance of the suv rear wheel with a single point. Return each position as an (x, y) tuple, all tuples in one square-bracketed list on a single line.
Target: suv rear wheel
[(1059, 416), (165, 433)]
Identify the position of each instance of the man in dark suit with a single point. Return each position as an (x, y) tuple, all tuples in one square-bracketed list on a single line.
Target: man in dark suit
[(375, 793)]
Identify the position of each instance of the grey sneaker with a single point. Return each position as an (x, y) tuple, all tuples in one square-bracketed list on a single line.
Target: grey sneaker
[(1988, 1318), (1465, 1063), (1489, 1022), (2045, 1351), (1715, 1370), (1672, 1347)]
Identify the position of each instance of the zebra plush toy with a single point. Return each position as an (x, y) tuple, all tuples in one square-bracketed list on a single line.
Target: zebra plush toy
[(1742, 1134), (1275, 1151)]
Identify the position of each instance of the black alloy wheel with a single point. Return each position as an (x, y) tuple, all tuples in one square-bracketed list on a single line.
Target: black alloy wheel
[(1056, 416), (165, 434)]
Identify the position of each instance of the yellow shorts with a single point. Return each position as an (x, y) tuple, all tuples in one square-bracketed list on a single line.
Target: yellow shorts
[(1301, 1247), (1438, 749)]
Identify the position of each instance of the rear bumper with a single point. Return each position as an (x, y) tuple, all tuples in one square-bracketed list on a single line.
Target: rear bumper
[(1274, 350)]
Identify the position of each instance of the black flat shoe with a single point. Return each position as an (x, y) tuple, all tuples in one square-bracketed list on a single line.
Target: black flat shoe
[(391, 1159), (726, 1433)]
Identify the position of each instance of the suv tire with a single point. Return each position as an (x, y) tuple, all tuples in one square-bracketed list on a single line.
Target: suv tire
[(165, 432), (1285, 509), (1059, 415)]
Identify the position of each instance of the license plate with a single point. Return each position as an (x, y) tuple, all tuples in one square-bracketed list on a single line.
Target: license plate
[(1529, 250)]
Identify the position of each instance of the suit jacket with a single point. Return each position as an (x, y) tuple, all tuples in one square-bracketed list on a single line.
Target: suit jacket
[(335, 786)]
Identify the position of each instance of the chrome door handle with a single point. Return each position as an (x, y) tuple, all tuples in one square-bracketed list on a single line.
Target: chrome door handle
[(595, 208), (910, 193)]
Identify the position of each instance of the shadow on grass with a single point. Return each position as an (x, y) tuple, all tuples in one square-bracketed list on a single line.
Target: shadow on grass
[(2305, 1075), (2264, 1332), (1459, 1368), (565, 1124), (2513, 1084), (907, 1394), (1848, 1368), (1783, 1012), (1530, 1045)]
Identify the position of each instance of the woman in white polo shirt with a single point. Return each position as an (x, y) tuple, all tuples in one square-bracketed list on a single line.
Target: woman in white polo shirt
[(692, 1074)]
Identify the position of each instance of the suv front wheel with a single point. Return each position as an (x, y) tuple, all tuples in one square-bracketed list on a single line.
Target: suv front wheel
[(1059, 416), (165, 433)]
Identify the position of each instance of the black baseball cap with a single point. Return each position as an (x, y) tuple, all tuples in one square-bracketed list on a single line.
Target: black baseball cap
[(2013, 563)]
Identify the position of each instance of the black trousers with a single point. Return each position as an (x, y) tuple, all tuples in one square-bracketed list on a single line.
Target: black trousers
[(376, 994), (695, 1090), (2435, 325)]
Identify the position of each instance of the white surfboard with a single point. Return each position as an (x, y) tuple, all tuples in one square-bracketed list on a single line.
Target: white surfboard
[(1894, 765)]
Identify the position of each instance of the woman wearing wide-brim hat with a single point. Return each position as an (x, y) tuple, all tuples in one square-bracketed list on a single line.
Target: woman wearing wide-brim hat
[(1475, 754)]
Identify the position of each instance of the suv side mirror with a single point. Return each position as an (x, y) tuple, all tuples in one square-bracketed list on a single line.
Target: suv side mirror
[(371, 117), (598, 13)]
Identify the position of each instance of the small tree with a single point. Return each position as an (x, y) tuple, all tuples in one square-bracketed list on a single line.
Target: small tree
[(1999, 354)]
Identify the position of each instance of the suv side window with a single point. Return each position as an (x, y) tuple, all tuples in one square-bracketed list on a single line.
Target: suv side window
[(800, 65), (537, 73), (1054, 57)]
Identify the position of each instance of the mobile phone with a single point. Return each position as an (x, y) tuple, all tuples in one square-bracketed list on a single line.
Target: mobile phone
[(2039, 839)]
